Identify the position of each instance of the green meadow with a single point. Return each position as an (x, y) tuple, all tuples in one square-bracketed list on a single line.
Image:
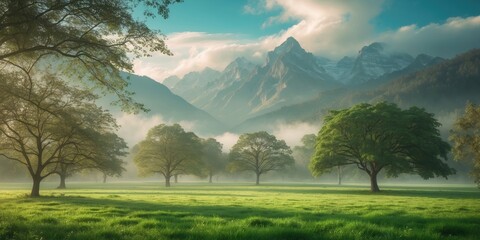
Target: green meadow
[(238, 211)]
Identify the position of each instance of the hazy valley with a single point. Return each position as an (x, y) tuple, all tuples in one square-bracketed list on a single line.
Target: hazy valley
[(294, 87)]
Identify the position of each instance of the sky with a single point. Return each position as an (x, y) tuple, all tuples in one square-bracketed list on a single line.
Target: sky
[(212, 33)]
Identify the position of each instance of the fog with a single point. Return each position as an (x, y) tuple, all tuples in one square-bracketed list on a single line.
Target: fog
[(293, 133), (134, 128)]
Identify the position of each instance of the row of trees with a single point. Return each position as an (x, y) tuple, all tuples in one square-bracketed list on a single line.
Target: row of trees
[(371, 137), (171, 151), (47, 125)]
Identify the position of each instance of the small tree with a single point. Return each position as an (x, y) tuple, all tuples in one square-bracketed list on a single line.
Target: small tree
[(169, 150), (381, 136), (303, 153), (260, 152), (465, 136), (213, 157), (95, 151)]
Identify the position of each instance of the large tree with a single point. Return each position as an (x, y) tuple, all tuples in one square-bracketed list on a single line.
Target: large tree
[(40, 118), (213, 158), (465, 136), (382, 136), (169, 150), (89, 39), (260, 153)]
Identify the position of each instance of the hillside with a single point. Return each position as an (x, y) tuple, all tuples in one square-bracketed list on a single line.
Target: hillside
[(162, 102), (443, 87)]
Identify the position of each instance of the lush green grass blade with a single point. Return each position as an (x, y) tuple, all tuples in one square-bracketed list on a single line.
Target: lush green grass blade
[(239, 211)]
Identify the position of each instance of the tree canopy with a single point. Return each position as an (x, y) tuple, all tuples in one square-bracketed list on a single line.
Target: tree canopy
[(93, 150), (213, 158), (260, 152), (169, 150), (465, 136), (382, 136), (87, 39), (44, 119)]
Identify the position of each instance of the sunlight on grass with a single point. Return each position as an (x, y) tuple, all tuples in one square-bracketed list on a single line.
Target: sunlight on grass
[(235, 211)]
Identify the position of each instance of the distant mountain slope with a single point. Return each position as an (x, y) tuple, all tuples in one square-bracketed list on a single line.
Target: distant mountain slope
[(233, 75), (441, 86), (188, 87), (374, 61), (290, 75), (420, 62), (161, 101)]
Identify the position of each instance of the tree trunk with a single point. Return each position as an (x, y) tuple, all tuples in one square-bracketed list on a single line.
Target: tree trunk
[(62, 182), (339, 175), (36, 187), (210, 178), (373, 182), (175, 178), (258, 179), (167, 181), (104, 178)]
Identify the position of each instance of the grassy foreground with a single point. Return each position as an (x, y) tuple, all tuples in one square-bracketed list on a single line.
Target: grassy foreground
[(234, 211)]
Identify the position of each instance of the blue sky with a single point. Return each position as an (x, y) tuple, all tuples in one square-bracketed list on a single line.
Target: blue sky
[(229, 16), (211, 33), (398, 13), (218, 16)]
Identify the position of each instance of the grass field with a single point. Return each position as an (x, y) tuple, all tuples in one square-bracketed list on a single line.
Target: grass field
[(238, 211)]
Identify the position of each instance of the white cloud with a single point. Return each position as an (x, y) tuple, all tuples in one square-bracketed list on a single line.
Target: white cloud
[(319, 30), (292, 133), (227, 139), (193, 51), (454, 36), (327, 28), (134, 128)]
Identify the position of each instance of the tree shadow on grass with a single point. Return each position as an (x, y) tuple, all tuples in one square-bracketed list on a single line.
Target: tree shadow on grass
[(390, 191), (427, 192), (176, 221)]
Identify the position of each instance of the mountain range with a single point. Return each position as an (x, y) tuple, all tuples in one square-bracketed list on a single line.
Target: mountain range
[(290, 75), (293, 85), (243, 89), (442, 87)]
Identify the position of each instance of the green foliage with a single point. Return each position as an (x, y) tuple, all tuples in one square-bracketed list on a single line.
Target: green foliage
[(94, 145), (382, 136), (260, 152), (47, 124), (169, 150), (87, 39), (465, 136), (238, 211), (213, 158), (304, 153)]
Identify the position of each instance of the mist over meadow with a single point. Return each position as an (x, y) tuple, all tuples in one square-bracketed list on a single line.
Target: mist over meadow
[(210, 119)]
